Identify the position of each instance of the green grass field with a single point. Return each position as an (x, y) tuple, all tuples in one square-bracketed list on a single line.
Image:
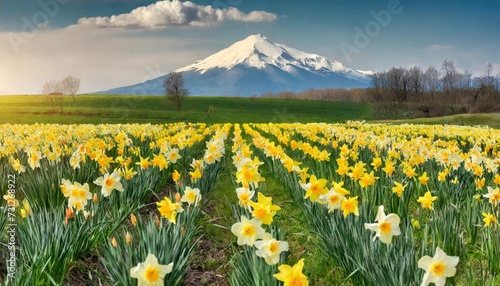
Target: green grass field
[(95, 109), (155, 109), (484, 119)]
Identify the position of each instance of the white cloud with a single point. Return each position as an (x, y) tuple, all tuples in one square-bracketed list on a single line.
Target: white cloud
[(175, 13)]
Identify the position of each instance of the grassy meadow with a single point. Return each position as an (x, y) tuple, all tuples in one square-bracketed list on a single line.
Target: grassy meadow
[(95, 109), (291, 173)]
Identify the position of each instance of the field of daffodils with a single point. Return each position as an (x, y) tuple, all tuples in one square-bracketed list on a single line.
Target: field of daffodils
[(389, 204)]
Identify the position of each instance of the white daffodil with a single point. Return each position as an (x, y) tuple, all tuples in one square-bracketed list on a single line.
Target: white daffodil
[(387, 226), (438, 268), (248, 231), (270, 248), (150, 272), (109, 182)]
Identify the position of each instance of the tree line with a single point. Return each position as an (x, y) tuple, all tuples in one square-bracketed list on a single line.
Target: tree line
[(437, 92), (414, 92)]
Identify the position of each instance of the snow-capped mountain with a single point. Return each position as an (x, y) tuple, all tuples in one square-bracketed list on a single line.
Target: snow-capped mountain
[(256, 65)]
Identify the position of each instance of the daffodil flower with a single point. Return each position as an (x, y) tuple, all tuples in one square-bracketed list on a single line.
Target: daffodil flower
[(109, 182), (248, 231), (244, 197), (387, 226), (168, 209), (263, 209), (292, 275), (270, 248), (426, 200), (438, 267), (493, 195), (398, 188), (489, 219), (191, 196), (315, 188), (150, 272)]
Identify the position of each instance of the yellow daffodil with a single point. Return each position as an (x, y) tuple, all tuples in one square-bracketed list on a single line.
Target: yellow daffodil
[(376, 162), (398, 188), (249, 175), (195, 175), (423, 179), (349, 206), (489, 219), (263, 209), (480, 182), (389, 168), (367, 180), (168, 209), (143, 163), (292, 275), (357, 171), (159, 161), (176, 176), (497, 179), (79, 195), (315, 188), (426, 200)]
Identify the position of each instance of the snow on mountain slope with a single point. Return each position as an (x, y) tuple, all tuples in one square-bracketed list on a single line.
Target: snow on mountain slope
[(256, 65), (258, 52)]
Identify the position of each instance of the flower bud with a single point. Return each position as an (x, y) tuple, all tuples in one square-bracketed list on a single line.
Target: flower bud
[(128, 239), (133, 219)]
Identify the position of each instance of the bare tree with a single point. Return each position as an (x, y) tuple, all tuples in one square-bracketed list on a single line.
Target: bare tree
[(431, 81), (52, 89), (70, 86), (450, 79), (416, 80), (51, 86), (175, 88), (398, 81)]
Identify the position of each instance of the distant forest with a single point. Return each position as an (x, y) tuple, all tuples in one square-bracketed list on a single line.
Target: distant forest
[(414, 92)]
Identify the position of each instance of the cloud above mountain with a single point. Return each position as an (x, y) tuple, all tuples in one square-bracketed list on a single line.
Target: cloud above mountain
[(175, 14)]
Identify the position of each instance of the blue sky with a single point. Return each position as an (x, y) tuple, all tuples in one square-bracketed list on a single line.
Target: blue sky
[(111, 43)]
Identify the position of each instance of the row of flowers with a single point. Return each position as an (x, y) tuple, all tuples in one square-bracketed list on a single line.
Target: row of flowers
[(348, 175), (106, 215), (259, 235)]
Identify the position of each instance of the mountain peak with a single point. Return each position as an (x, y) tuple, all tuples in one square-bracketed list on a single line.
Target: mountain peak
[(257, 51), (258, 36), (257, 65)]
